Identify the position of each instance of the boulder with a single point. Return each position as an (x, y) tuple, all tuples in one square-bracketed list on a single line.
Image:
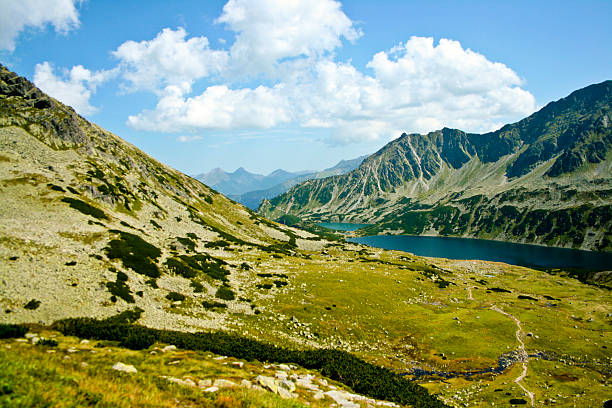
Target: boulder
[(126, 368)]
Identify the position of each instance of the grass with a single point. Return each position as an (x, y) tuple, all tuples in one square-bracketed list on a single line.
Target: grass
[(389, 311), (30, 376)]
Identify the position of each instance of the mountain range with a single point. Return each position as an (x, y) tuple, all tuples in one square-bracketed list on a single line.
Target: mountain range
[(546, 179), (250, 189), (104, 250)]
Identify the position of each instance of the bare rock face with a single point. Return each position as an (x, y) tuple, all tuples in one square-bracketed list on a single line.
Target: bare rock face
[(23, 104)]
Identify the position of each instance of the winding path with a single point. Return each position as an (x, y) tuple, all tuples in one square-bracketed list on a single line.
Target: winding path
[(524, 355)]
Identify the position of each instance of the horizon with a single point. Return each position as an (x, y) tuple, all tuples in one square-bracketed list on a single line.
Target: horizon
[(302, 86)]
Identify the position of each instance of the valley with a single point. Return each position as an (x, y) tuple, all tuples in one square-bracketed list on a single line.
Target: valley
[(92, 227)]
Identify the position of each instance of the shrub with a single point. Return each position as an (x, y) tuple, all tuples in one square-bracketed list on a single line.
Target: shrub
[(217, 244), (137, 338), (177, 266), (280, 283), (213, 305), (187, 243), (525, 297), (197, 286), (211, 266), (8, 331), (47, 342), (499, 290), (119, 288), (56, 188), (32, 304), (135, 253), (225, 293), (85, 208), (175, 297)]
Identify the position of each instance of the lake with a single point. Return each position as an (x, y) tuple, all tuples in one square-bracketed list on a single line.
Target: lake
[(515, 254), (342, 226)]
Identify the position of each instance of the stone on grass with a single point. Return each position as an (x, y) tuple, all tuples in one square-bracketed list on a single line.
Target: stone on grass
[(126, 368)]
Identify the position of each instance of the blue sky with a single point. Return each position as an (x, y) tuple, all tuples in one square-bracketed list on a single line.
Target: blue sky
[(301, 84)]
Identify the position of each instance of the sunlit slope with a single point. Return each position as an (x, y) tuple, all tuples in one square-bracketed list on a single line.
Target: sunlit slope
[(82, 208)]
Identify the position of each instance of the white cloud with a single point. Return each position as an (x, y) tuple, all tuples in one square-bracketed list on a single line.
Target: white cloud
[(16, 15), (168, 60), (270, 30), (217, 108), (415, 87), (187, 139), (74, 87)]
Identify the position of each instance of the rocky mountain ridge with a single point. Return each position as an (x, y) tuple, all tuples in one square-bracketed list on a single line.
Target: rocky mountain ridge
[(546, 179)]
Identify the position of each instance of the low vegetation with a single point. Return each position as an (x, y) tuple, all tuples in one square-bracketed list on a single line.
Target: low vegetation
[(362, 377)]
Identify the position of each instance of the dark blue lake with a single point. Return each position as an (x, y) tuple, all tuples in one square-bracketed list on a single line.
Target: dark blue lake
[(341, 226), (516, 254)]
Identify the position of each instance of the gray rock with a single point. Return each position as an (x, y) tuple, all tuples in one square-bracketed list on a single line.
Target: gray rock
[(126, 368)]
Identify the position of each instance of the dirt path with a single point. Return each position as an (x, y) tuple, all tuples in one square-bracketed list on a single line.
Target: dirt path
[(524, 355)]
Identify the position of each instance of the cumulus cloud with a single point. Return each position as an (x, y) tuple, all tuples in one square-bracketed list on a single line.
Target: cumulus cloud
[(168, 60), (417, 86), (74, 87), (16, 15), (268, 31), (219, 107)]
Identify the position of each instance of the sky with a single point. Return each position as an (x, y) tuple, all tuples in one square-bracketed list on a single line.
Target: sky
[(301, 84)]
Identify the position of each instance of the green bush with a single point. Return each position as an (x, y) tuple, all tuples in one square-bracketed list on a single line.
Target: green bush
[(137, 338), (32, 304), (85, 208), (175, 297), (211, 266), (177, 266), (120, 289), (197, 286), (213, 305), (135, 253), (9, 331), (225, 293), (47, 342), (280, 283)]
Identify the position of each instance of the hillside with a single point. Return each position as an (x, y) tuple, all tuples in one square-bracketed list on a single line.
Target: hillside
[(546, 179), (90, 227)]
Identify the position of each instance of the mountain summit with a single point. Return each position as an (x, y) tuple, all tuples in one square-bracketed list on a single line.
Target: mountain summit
[(546, 179)]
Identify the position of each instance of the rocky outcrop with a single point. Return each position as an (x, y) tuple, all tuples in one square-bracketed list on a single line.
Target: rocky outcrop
[(24, 105)]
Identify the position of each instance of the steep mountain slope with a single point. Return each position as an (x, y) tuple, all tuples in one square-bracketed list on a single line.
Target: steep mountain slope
[(252, 199), (242, 181), (546, 179), (78, 199), (91, 226)]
